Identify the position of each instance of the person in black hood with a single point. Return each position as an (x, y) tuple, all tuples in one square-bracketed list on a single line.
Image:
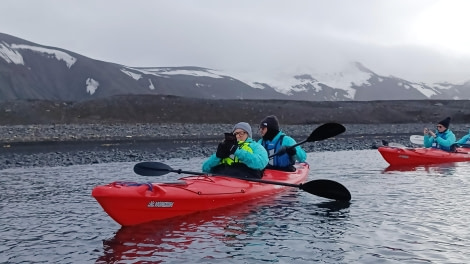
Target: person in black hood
[(274, 141), (442, 138)]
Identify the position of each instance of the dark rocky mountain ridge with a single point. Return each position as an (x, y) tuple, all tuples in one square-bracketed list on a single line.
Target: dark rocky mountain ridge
[(47, 85), (30, 71)]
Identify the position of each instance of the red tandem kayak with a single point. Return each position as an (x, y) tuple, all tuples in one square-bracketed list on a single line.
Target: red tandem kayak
[(134, 203), (421, 156)]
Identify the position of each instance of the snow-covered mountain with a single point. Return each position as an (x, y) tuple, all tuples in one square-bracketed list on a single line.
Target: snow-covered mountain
[(32, 71)]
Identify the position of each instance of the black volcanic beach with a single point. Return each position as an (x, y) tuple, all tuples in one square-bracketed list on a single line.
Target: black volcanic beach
[(151, 128), (63, 145)]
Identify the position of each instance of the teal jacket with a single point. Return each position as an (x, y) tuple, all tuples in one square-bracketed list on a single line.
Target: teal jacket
[(272, 146), (442, 141), (465, 140), (256, 160)]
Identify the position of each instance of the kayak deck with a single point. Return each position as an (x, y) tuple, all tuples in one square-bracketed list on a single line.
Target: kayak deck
[(131, 203), (422, 156)]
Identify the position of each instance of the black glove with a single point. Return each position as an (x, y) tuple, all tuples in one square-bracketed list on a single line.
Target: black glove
[(231, 145), (290, 151), (222, 151), (225, 149)]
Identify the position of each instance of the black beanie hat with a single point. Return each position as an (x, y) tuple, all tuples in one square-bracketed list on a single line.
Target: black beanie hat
[(270, 122), (445, 122)]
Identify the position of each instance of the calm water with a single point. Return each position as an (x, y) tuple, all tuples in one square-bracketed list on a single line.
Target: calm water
[(402, 215)]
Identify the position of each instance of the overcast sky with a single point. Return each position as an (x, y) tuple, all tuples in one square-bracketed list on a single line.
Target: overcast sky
[(419, 40)]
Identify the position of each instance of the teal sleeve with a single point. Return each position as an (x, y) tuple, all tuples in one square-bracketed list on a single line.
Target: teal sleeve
[(211, 162), (428, 140), (464, 139), (256, 160), (448, 141)]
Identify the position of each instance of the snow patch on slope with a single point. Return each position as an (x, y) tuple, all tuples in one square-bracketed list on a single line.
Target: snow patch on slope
[(91, 86), (133, 75), (168, 71), (427, 92), (298, 79), (151, 85), (442, 86), (10, 55), (206, 73), (57, 54)]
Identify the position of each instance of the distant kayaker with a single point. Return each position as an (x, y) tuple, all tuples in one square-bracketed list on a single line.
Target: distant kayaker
[(465, 140), (238, 156), (274, 140), (442, 138)]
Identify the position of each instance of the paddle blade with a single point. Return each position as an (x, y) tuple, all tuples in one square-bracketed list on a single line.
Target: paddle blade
[(327, 189), (151, 168), (417, 139), (325, 131)]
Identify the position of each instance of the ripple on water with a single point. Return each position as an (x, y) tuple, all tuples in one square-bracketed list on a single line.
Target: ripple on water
[(396, 215)]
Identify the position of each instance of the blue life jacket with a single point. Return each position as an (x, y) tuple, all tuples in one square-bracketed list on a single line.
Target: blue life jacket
[(279, 160), (443, 135)]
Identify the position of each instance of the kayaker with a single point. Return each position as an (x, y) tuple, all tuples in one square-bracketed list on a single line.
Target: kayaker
[(240, 156), (274, 140), (442, 138), (465, 140)]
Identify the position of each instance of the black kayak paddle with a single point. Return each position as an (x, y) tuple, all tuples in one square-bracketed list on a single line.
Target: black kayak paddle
[(322, 132)]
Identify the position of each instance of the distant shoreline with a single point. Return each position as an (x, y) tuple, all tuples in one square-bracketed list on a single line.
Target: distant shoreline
[(64, 145)]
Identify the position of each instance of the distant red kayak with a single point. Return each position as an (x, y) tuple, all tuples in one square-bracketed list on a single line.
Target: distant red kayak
[(134, 203), (421, 156)]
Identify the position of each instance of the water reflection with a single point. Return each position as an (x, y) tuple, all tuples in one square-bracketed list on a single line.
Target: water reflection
[(442, 169), (416, 215), (334, 206), (230, 233), (160, 240)]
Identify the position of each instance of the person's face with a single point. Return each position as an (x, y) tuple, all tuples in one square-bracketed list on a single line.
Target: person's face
[(263, 130), (440, 128), (240, 134)]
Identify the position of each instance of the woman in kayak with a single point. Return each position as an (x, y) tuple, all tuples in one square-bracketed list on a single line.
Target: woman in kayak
[(274, 140), (442, 138), (238, 155)]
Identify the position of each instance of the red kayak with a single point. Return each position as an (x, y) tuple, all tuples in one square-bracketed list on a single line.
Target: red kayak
[(131, 203), (421, 156)]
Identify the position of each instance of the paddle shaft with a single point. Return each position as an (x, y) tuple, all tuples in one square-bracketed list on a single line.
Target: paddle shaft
[(322, 132), (323, 188), (298, 144), (290, 147), (208, 174)]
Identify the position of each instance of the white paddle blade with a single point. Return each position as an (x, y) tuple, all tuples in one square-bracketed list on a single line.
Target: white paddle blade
[(396, 145), (417, 139)]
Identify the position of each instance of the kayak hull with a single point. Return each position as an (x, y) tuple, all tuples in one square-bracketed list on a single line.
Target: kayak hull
[(131, 203), (422, 156)]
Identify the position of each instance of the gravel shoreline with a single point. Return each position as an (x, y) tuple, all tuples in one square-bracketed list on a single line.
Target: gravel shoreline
[(65, 145)]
